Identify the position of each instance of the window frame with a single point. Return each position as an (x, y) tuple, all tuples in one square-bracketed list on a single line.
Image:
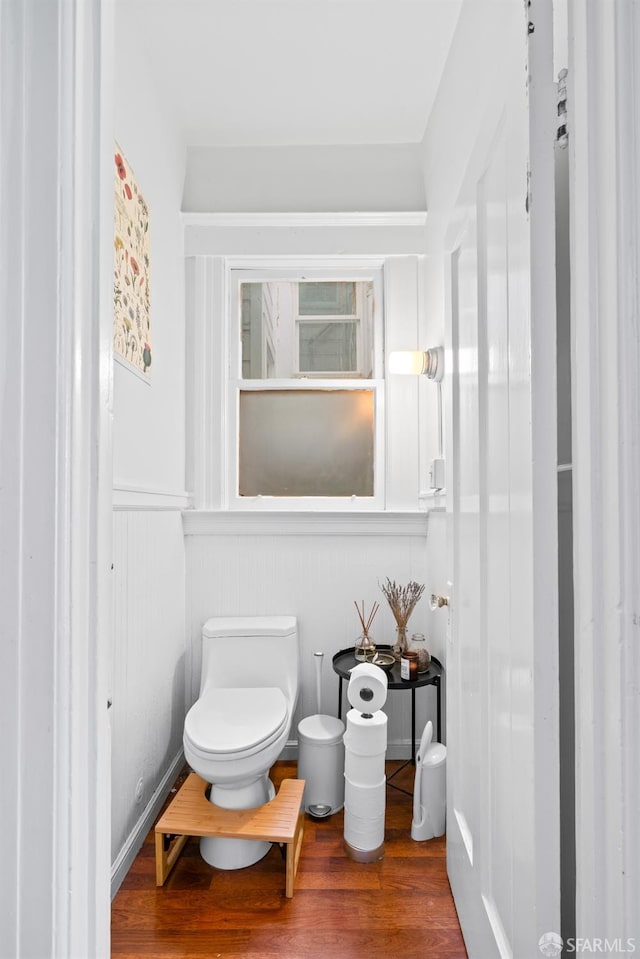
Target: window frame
[(234, 382)]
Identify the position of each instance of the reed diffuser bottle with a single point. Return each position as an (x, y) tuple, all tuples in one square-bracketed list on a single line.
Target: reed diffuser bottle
[(365, 648)]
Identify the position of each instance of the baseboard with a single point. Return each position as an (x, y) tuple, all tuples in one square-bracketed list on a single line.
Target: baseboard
[(129, 851), (401, 749), (290, 751)]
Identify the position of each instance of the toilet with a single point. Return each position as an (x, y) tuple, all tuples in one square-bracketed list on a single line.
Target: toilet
[(239, 725)]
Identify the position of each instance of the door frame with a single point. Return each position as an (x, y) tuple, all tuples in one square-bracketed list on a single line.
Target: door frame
[(56, 326), (604, 157)]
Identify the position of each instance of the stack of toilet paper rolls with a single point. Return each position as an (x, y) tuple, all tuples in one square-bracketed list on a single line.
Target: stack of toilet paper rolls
[(365, 743)]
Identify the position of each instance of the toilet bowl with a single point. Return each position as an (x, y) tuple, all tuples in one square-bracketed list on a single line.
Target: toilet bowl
[(240, 723)]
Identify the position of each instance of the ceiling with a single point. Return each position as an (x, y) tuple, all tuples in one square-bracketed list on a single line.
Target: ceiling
[(295, 72)]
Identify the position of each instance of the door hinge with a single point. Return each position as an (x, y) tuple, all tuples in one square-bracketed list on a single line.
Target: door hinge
[(562, 130)]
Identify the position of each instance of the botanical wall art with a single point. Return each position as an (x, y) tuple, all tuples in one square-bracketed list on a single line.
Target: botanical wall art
[(132, 316)]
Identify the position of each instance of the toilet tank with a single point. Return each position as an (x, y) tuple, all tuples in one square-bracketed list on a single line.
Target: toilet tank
[(250, 651)]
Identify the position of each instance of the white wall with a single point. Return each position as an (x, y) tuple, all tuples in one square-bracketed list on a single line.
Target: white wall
[(371, 177), (237, 563), (315, 577), (147, 686), (148, 433), (462, 119)]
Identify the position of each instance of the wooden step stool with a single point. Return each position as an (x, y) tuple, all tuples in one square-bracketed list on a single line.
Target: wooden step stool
[(191, 814)]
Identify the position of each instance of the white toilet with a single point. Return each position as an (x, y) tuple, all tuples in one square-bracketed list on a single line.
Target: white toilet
[(240, 723)]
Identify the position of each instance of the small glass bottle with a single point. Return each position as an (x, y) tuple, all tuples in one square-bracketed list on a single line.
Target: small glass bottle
[(401, 644), (409, 666), (419, 645)]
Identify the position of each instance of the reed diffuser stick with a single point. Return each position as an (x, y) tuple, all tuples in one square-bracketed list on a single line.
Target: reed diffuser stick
[(372, 615), (364, 621)]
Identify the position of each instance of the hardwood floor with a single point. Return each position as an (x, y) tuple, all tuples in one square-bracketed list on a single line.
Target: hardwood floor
[(400, 906)]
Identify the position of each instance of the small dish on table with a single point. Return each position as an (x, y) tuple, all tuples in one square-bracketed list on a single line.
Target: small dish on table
[(384, 661)]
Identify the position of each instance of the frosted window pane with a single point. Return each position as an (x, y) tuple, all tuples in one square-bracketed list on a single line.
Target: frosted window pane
[(328, 347), (327, 299), (306, 443)]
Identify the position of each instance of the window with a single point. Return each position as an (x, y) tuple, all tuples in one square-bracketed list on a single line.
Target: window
[(224, 365), (305, 389)]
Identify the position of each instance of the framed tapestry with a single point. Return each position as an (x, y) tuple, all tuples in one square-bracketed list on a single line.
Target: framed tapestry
[(131, 293)]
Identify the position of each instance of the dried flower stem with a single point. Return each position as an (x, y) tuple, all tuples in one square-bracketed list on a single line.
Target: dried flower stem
[(402, 599)]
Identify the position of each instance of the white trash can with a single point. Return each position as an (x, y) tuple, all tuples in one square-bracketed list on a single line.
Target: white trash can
[(321, 764)]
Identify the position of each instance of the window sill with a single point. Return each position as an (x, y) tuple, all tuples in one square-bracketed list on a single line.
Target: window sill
[(290, 523)]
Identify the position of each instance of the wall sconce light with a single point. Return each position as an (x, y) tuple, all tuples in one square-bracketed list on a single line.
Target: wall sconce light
[(429, 363)]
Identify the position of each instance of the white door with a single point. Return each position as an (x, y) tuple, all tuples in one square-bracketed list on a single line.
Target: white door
[(502, 672)]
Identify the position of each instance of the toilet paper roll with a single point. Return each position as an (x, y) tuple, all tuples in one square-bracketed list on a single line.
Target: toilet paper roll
[(368, 829), (365, 802), (367, 689), (363, 834), (366, 736), (363, 770)]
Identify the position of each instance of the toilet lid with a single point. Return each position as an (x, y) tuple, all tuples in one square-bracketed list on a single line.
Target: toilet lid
[(234, 720)]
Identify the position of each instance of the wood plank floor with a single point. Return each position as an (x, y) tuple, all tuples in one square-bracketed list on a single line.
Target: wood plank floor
[(400, 906)]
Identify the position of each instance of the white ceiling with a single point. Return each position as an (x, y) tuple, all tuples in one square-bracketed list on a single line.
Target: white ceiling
[(296, 72)]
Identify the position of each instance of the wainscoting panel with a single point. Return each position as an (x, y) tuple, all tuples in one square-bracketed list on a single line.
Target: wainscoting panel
[(148, 667), (316, 578)]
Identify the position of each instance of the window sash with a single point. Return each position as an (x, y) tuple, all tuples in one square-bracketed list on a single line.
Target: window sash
[(376, 501), (358, 318), (309, 442), (235, 384)]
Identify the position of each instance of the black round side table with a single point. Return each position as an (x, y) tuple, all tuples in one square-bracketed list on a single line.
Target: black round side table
[(345, 660)]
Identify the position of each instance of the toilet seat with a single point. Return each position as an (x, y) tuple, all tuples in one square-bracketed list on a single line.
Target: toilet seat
[(235, 722)]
